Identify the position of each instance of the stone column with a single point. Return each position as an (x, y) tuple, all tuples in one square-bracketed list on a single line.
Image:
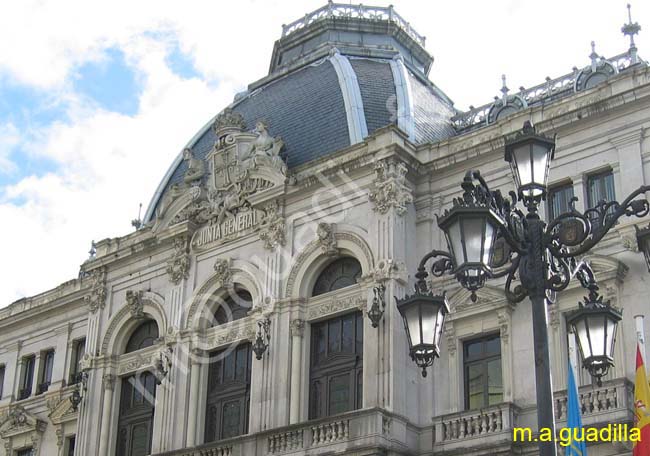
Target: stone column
[(108, 383), (193, 406), (37, 373), (297, 331)]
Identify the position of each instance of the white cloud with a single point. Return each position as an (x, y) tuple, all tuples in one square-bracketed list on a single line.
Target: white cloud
[(109, 162)]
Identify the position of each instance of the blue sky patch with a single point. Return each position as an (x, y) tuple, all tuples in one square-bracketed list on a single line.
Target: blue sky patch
[(181, 64), (110, 82)]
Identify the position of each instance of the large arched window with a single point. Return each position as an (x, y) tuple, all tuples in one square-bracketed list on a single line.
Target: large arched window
[(233, 307), (340, 273), (143, 336)]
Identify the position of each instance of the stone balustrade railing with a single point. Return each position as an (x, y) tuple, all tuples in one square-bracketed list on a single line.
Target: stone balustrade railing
[(363, 428), (614, 397), (490, 421)]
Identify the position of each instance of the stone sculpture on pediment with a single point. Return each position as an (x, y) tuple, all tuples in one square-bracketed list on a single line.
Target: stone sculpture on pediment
[(195, 168), (19, 421), (264, 150)]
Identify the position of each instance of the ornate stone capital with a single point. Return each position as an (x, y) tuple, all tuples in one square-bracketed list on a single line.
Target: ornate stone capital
[(178, 265), (297, 327), (108, 382), (389, 190), (135, 303), (96, 299), (326, 239), (272, 227)]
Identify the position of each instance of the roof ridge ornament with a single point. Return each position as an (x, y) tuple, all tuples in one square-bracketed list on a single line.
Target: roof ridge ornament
[(630, 29), (504, 89), (594, 57)]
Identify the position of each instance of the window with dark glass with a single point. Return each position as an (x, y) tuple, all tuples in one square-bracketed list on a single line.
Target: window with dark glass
[(25, 452), (2, 380), (135, 423), (69, 446), (144, 336), (600, 187), (47, 360), (233, 307), (27, 377), (78, 350), (559, 198), (336, 366), (482, 371), (228, 400), (340, 273)]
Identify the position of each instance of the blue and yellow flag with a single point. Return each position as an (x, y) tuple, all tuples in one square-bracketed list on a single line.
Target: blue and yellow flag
[(574, 419)]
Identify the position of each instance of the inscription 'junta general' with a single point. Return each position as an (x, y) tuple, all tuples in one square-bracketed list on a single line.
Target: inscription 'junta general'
[(242, 223)]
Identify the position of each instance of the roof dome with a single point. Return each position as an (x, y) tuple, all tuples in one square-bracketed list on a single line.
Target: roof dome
[(336, 75)]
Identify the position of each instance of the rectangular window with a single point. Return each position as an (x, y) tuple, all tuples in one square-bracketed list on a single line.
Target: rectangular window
[(69, 446), (482, 372), (600, 187), (78, 350), (27, 377), (2, 380), (46, 372), (559, 198), (25, 452), (336, 366), (228, 400)]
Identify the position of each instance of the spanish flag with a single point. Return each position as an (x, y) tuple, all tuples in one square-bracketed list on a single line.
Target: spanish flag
[(641, 408)]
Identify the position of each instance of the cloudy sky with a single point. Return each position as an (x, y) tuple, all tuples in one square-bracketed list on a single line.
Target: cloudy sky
[(97, 98)]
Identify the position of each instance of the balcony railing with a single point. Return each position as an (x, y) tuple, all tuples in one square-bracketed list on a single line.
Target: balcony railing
[(368, 428), (614, 401), (24, 393), (42, 387), (489, 425)]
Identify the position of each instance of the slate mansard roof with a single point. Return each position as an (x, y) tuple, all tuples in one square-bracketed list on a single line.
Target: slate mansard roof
[(341, 72), (332, 83)]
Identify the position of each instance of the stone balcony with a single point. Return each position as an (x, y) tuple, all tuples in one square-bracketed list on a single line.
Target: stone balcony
[(364, 432), (490, 427), (611, 403), (371, 432)]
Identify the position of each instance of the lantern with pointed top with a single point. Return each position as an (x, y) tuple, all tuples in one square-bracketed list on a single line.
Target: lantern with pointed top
[(530, 155), (595, 324)]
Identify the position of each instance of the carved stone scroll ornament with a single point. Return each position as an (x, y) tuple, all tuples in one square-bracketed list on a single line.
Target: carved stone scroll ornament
[(272, 227), (135, 304), (389, 188), (326, 238), (96, 299), (178, 265), (337, 305)]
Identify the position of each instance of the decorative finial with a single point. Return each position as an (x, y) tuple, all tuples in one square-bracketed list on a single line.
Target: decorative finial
[(92, 253), (593, 56), (504, 89), (137, 223), (630, 29)]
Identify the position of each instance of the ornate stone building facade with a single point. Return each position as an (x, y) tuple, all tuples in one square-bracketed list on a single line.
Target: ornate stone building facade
[(233, 322)]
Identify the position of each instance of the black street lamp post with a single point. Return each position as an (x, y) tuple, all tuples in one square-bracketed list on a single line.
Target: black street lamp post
[(489, 237)]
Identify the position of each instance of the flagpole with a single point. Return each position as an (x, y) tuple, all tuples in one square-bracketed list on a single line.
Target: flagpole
[(640, 334)]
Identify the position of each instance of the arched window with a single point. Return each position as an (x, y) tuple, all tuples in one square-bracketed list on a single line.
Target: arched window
[(340, 273), (235, 306), (143, 336)]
